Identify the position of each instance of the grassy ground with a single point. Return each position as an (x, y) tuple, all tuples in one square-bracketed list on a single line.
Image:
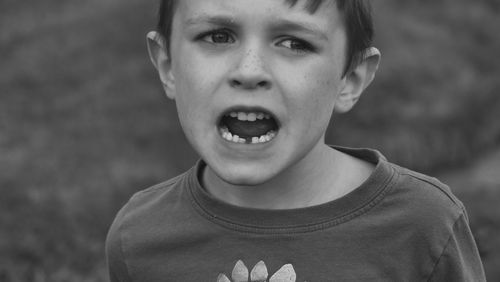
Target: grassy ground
[(83, 122)]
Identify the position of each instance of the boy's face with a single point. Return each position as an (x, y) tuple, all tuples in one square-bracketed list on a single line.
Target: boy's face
[(256, 58)]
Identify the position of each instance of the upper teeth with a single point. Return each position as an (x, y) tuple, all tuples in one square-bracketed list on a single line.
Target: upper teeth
[(251, 116)]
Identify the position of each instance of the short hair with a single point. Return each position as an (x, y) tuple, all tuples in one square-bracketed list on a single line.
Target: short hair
[(357, 19)]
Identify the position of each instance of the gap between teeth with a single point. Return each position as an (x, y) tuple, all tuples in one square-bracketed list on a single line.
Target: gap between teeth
[(254, 140), (249, 116)]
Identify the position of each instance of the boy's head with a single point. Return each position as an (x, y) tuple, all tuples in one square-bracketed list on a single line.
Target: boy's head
[(256, 81)]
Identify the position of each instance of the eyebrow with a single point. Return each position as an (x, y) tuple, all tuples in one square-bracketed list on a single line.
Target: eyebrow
[(216, 20), (288, 25)]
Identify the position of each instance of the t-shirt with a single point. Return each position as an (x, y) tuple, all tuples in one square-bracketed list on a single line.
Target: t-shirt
[(398, 225)]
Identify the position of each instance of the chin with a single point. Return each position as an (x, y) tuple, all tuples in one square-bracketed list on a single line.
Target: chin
[(246, 175)]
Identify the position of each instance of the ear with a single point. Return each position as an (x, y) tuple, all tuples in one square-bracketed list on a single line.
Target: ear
[(158, 55), (357, 80)]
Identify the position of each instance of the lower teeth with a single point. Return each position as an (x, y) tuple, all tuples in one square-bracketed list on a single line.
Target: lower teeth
[(254, 140)]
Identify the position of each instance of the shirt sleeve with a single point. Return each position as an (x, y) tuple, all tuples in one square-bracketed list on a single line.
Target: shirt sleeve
[(460, 259), (117, 267)]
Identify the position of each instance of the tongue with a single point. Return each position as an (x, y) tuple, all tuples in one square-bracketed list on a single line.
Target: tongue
[(245, 129)]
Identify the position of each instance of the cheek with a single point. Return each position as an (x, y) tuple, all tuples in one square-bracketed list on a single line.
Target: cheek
[(190, 85), (200, 76), (197, 80), (315, 94), (189, 100)]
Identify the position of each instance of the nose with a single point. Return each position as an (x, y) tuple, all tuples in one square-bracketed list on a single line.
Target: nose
[(250, 71)]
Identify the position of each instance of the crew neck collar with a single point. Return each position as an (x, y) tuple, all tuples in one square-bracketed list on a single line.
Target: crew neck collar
[(307, 219)]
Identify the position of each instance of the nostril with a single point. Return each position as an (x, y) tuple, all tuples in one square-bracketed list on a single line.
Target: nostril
[(263, 84), (235, 83), (249, 84)]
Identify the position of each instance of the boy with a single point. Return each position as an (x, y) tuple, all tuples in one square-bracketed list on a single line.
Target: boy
[(255, 83)]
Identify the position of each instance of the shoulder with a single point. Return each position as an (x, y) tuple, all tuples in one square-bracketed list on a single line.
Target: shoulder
[(143, 210), (441, 221), (428, 188), (409, 196), (423, 210), (147, 205), (153, 199), (424, 201), (159, 191)]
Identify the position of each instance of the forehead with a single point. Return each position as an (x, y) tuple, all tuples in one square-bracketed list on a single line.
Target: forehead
[(260, 11), (310, 5)]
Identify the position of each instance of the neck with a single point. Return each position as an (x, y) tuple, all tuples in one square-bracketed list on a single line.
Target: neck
[(321, 176)]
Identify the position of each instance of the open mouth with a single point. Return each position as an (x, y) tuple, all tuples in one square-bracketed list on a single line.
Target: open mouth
[(248, 127)]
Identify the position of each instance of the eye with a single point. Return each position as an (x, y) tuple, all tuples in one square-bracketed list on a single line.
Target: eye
[(217, 37), (296, 45)]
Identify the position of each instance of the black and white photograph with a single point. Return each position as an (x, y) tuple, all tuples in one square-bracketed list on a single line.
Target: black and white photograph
[(249, 140)]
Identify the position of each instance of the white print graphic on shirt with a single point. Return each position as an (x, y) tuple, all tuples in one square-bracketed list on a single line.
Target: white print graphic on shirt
[(259, 274)]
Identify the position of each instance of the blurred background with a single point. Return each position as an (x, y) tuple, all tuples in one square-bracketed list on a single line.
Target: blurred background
[(84, 123)]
